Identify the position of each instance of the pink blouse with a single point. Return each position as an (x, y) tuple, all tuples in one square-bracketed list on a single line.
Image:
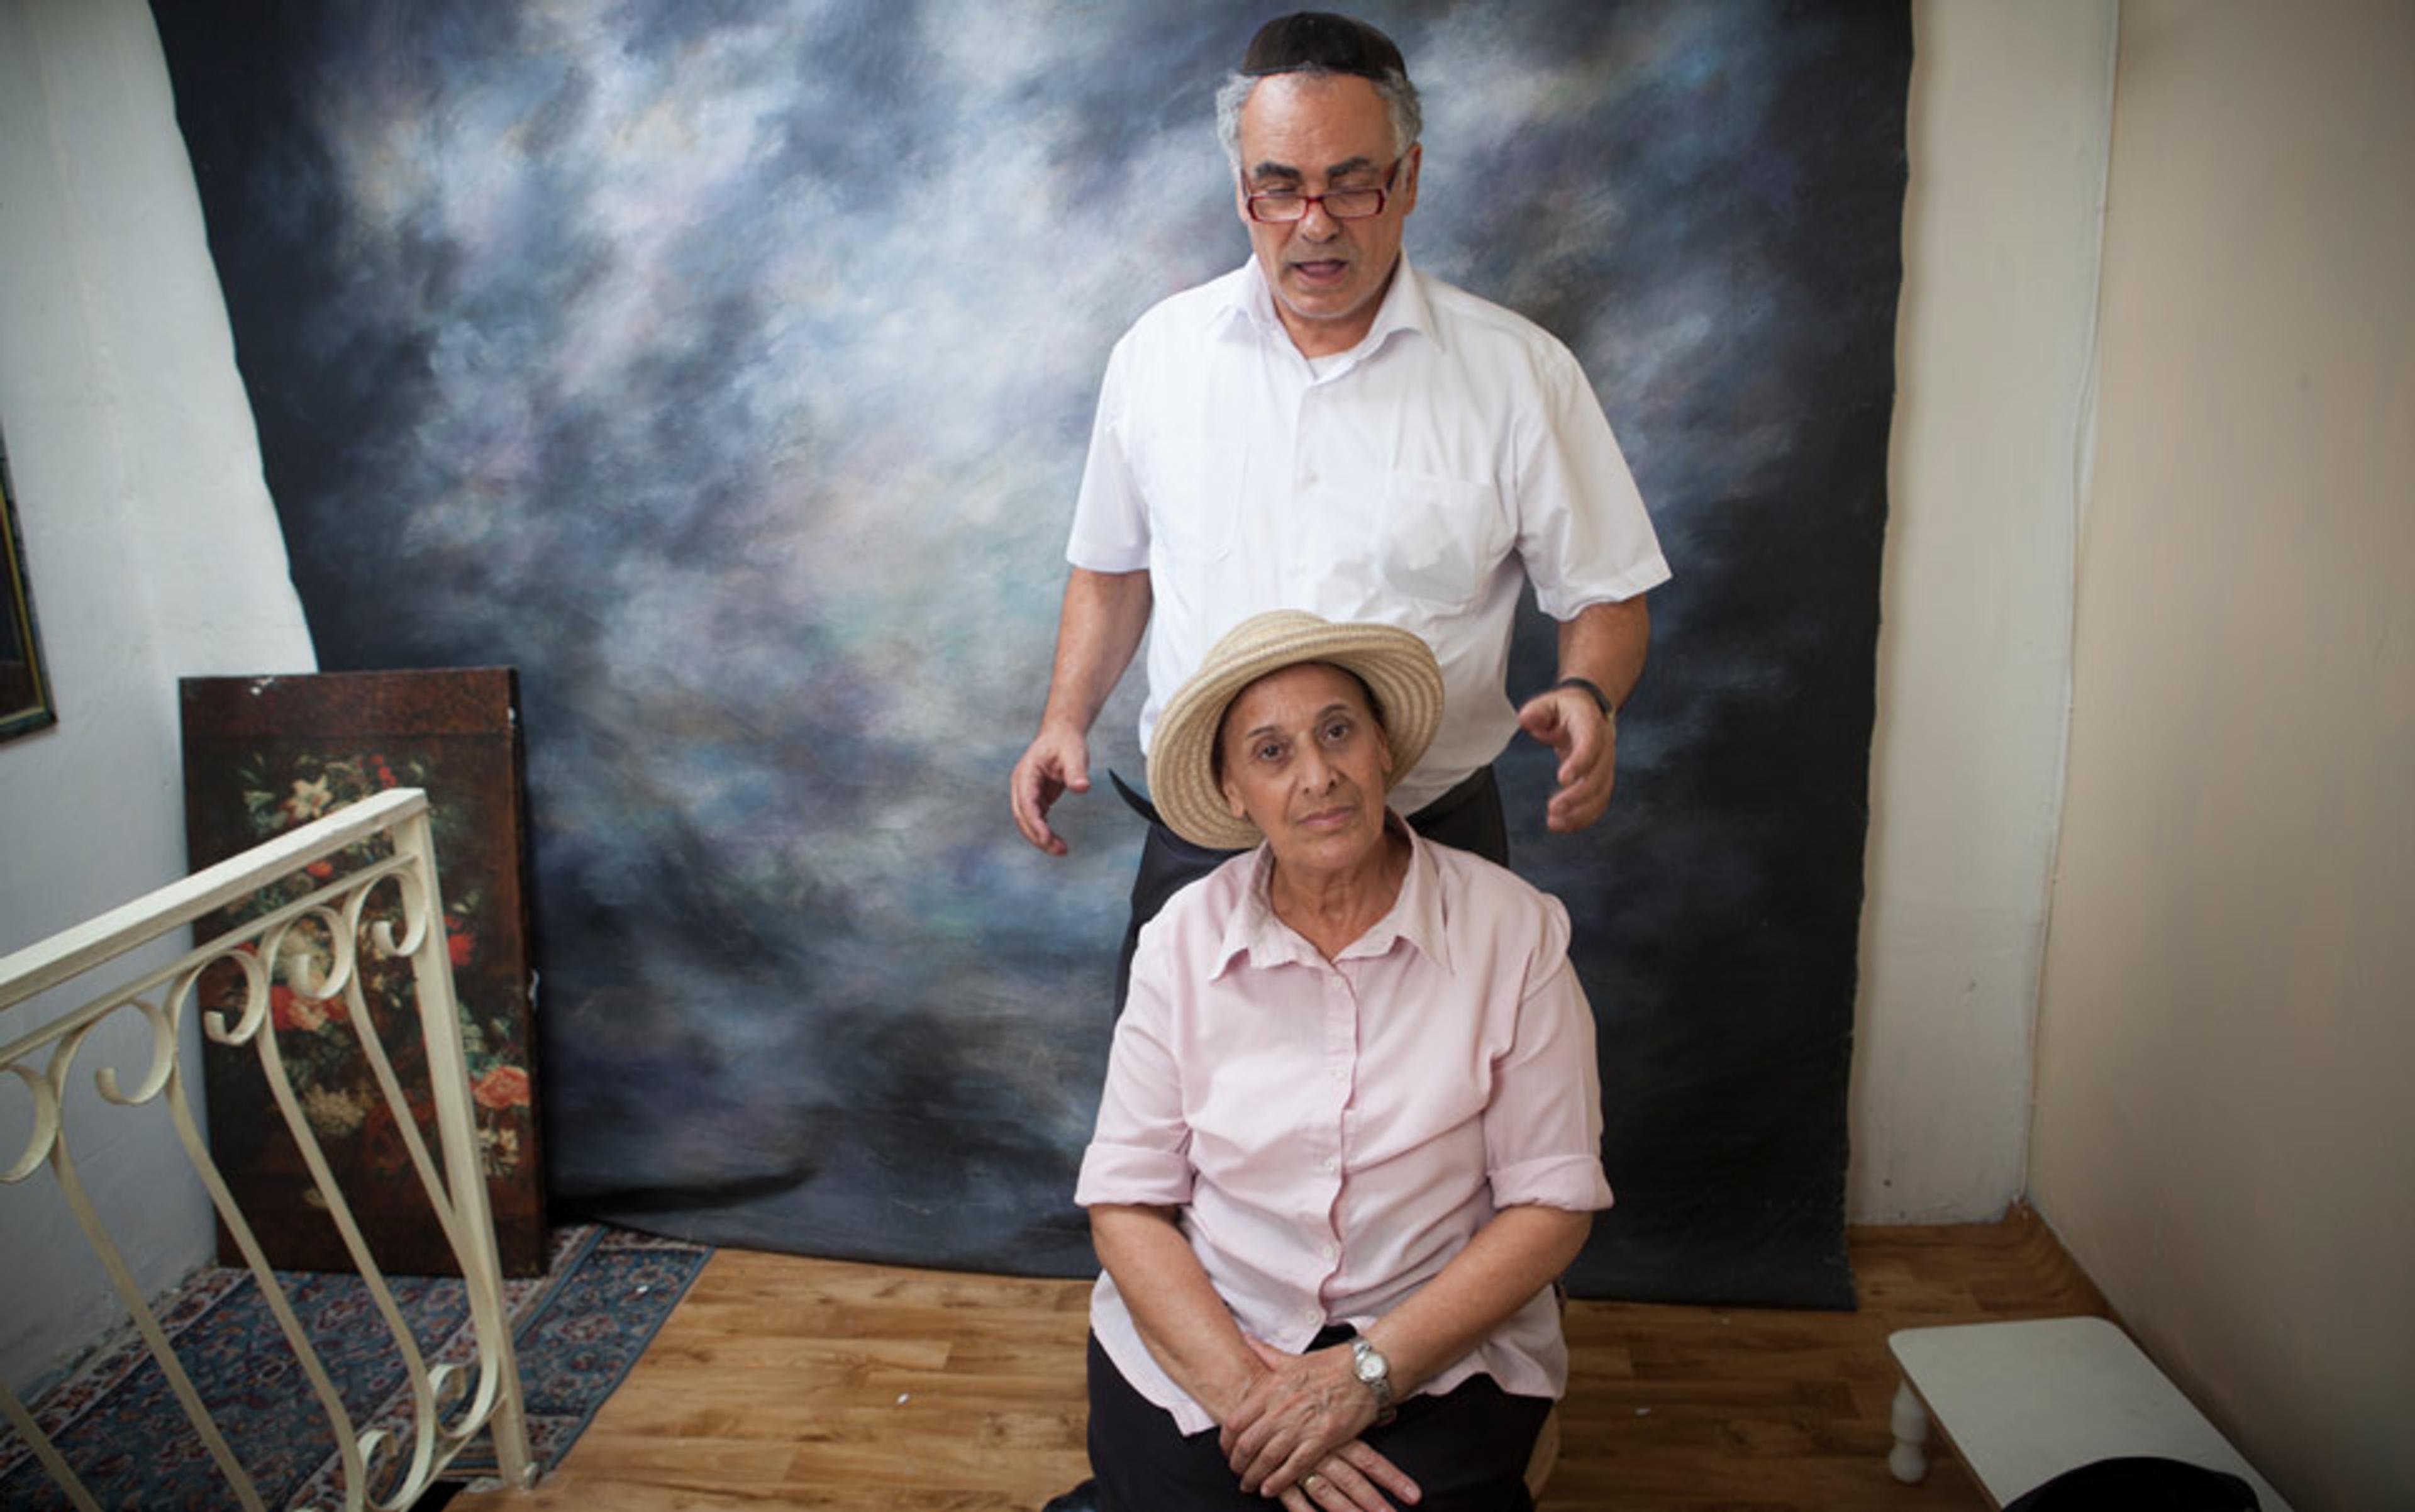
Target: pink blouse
[(1335, 1132)]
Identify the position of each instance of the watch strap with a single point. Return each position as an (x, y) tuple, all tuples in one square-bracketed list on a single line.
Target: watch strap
[(1593, 691)]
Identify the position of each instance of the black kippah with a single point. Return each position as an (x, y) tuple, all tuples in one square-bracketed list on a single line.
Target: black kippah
[(1321, 39)]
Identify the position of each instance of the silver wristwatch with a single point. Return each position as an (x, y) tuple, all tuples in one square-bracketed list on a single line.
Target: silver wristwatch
[(1374, 1372)]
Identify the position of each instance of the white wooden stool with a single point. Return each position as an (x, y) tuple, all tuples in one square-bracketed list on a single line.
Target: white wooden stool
[(2022, 1403)]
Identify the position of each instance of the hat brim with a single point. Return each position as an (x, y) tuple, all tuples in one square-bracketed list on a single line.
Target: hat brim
[(1398, 667)]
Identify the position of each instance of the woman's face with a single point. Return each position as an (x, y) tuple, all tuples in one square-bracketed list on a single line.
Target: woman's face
[(1305, 761)]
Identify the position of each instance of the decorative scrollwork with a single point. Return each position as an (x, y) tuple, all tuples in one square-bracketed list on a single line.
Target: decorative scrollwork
[(467, 1396), (299, 964), (255, 997), (410, 887), (163, 1059), (380, 1452), (46, 1126)]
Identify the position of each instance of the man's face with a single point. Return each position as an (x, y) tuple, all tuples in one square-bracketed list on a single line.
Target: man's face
[(1310, 134), (1305, 761)]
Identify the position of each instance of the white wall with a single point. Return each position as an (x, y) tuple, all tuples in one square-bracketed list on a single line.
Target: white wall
[(154, 554), (2224, 1112), (2010, 111)]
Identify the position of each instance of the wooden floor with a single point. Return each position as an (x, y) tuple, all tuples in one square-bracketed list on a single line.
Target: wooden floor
[(789, 1382)]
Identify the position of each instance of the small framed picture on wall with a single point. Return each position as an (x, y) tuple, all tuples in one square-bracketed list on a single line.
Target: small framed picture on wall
[(26, 703)]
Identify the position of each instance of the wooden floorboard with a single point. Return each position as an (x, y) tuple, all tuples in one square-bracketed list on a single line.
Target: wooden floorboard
[(783, 1382)]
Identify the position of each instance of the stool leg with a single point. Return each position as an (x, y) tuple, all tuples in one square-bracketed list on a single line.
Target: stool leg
[(1547, 1454), (1910, 1420)]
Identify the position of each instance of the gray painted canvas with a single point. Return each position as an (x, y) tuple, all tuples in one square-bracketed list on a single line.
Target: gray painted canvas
[(726, 368)]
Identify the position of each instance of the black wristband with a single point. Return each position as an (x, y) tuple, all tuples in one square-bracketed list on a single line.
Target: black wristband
[(1600, 698)]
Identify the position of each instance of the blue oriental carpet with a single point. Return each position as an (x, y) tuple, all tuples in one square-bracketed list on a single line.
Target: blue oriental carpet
[(578, 1329)]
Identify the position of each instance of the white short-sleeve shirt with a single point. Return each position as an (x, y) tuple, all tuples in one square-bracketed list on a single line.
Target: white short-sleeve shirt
[(1415, 481)]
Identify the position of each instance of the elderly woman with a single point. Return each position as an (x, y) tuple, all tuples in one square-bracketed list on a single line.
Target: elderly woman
[(1351, 1127)]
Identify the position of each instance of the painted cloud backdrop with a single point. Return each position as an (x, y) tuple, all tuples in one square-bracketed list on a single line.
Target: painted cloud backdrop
[(726, 368)]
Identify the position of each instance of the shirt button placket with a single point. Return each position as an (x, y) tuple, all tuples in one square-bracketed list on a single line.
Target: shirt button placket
[(1341, 1048), (1298, 586), (1340, 1030)]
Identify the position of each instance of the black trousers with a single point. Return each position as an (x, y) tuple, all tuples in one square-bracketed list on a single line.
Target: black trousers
[(1466, 1449), (1468, 816)]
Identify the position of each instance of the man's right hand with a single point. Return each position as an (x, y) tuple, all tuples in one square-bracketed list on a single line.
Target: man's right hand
[(1098, 629), (1055, 762)]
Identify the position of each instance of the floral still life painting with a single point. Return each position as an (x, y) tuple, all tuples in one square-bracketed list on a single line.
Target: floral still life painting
[(264, 756)]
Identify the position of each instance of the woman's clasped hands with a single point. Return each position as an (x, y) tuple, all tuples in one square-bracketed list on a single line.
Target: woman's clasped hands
[(1294, 1435)]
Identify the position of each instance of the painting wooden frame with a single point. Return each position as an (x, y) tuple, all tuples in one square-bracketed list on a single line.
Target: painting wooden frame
[(264, 754), (26, 703)]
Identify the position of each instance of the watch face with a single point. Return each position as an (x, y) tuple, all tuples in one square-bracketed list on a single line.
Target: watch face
[(1372, 1367)]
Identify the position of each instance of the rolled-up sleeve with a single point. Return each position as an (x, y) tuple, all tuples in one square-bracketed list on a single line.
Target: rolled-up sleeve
[(1542, 1130), (1140, 1152)]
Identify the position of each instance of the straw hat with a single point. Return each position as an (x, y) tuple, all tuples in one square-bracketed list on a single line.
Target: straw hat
[(1397, 667)]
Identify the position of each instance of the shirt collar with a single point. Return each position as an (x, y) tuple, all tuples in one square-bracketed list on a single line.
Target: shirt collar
[(1250, 306), (1415, 916)]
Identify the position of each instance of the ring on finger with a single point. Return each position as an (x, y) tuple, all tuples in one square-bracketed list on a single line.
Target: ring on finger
[(1311, 1481)]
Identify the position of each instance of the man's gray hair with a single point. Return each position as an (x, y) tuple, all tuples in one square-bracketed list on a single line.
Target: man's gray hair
[(1399, 96)]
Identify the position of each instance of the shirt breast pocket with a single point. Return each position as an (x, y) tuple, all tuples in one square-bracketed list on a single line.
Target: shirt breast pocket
[(1441, 537), (1193, 483)]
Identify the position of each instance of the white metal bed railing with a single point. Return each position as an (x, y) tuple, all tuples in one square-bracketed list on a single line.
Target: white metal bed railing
[(450, 1402)]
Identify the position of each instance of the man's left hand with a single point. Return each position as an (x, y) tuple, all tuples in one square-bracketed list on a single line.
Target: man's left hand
[(1573, 725)]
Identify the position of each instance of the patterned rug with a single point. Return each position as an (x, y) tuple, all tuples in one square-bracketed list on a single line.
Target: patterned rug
[(578, 1330)]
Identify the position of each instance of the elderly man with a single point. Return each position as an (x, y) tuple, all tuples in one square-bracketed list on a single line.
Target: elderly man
[(1326, 428), (1352, 1121)]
